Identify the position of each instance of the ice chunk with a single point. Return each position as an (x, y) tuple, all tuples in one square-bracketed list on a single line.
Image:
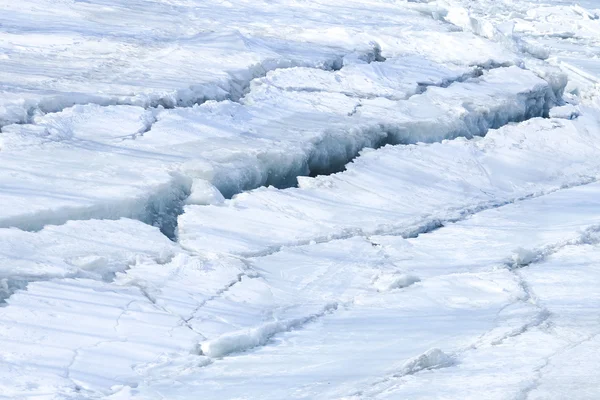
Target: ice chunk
[(431, 359), (567, 111), (204, 193), (394, 281)]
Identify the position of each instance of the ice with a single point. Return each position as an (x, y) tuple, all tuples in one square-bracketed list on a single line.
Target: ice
[(299, 199), (431, 359), (394, 79), (439, 182), (240, 121), (91, 311), (549, 361), (564, 33), (150, 69), (291, 295), (307, 361), (71, 336), (54, 55), (145, 167), (204, 193), (463, 274), (510, 235), (567, 111), (94, 249)]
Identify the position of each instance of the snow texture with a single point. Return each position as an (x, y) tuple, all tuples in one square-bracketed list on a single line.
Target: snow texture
[(299, 199)]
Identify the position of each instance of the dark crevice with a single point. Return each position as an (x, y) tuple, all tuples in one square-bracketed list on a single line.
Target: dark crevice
[(163, 207), (331, 154), (399, 135), (8, 286)]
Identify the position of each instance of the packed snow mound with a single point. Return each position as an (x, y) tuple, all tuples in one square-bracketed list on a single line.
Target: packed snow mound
[(258, 336), (431, 359), (522, 257), (387, 282), (567, 111)]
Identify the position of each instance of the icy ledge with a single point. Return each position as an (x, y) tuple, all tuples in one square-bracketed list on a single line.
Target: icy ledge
[(230, 84), (243, 146), (403, 190)]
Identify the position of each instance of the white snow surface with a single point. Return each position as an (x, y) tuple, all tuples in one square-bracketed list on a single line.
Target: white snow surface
[(299, 199)]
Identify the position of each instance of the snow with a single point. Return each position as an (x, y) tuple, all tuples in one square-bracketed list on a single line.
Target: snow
[(567, 111), (472, 283), (147, 53), (242, 146), (259, 336), (60, 337), (299, 199), (563, 33), (96, 250), (440, 182), (431, 359), (547, 361)]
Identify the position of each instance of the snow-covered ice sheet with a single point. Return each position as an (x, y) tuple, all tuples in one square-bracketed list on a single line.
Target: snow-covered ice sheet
[(66, 337), (96, 249), (383, 307), (123, 161), (56, 54), (130, 64), (551, 358), (390, 308), (299, 199), (402, 189), (72, 324), (564, 33)]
